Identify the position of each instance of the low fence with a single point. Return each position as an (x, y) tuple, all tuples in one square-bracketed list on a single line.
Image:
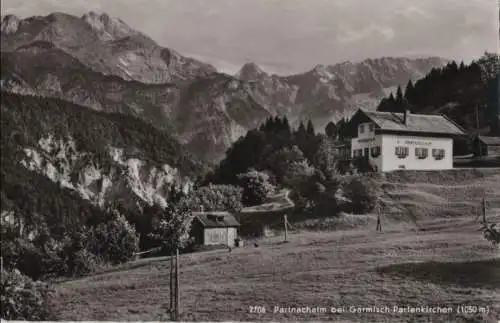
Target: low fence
[(141, 254)]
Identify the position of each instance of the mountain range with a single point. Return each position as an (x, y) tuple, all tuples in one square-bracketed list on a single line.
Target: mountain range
[(99, 62)]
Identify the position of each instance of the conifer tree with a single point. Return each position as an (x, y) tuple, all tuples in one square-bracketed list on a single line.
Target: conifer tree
[(409, 91), (301, 133), (310, 128), (399, 96), (331, 130)]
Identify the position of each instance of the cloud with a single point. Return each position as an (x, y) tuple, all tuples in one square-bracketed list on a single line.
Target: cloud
[(414, 12), (372, 32)]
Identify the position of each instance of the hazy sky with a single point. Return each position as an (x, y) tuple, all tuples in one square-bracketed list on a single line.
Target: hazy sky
[(287, 36)]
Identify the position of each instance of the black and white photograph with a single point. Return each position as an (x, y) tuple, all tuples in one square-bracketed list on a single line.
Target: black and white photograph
[(250, 160)]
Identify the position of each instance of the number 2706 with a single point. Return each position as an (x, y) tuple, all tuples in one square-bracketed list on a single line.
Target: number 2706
[(257, 309)]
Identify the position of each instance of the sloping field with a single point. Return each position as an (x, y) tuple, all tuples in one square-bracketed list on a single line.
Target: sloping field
[(448, 265), (410, 197), (413, 195), (435, 259)]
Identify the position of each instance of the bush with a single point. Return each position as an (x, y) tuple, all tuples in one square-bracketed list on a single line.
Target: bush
[(256, 187), (217, 198), (491, 233), (39, 255), (362, 195), (114, 242), (24, 299), (279, 161), (82, 262), (362, 165)]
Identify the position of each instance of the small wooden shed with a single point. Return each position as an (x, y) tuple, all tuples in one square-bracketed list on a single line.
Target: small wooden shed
[(214, 228), (486, 146)]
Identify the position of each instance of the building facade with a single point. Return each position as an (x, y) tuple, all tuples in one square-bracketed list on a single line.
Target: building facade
[(214, 228), (390, 141)]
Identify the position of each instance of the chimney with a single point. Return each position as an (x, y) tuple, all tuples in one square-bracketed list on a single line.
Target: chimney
[(406, 116)]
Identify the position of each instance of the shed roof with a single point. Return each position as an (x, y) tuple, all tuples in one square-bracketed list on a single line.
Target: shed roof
[(216, 219), (490, 141), (420, 123)]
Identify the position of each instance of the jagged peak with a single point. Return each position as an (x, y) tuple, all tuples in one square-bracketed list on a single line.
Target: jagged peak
[(112, 28), (250, 71), (59, 15), (10, 24), (322, 68)]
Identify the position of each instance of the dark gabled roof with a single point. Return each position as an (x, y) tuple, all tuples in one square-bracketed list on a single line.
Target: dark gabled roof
[(417, 123), (210, 219), (490, 141)]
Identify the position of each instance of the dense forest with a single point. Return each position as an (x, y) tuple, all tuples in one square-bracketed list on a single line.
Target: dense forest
[(468, 94), (268, 148)]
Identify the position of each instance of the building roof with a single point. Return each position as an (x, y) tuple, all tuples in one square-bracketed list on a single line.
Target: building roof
[(419, 123), (490, 141), (216, 219)]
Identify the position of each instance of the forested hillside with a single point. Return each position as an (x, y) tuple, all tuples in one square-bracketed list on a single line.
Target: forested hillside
[(464, 93), (26, 119), (65, 172)]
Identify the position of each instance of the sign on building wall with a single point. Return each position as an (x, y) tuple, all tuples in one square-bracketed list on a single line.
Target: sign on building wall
[(418, 142)]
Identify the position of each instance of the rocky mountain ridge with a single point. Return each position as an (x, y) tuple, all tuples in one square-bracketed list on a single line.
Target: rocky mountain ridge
[(99, 62), (105, 45)]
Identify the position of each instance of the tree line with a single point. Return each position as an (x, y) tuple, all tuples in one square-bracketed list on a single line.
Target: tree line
[(467, 94)]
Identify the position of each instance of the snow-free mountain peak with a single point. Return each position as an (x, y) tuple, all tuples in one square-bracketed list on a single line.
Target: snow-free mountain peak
[(250, 72), (205, 110), (109, 27), (10, 24)]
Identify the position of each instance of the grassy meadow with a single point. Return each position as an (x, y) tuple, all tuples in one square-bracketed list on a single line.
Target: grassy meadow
[(430, 253)]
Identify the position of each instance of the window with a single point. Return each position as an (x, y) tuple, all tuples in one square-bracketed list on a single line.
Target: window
[(421, 153), (375, 152), (402, 152), (372, 127), (438, 154), (361, 128)]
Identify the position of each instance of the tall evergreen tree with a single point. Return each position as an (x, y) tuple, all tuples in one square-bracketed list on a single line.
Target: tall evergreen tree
[(331, 130), (277, 124), (409, 91), (399, 96), (310, 128), (300, 136), (341, 129), (301, 128)]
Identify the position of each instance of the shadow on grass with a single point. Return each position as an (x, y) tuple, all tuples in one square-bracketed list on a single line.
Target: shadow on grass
[(475, 274)]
